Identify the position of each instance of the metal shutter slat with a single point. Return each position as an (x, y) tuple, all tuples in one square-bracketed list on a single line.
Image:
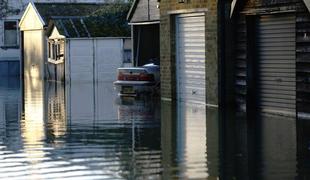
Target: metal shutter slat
[(276, 64), (190, 63)]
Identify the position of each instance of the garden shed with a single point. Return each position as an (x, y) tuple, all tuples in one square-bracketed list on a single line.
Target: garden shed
[(86, 57), (272, 46), (78, 42)]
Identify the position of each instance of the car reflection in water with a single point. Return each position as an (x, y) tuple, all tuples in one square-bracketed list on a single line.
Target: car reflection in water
[(138, 108), (142, 114)]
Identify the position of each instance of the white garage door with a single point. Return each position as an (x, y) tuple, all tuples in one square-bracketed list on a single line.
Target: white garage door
[(94, 59), (81, 61), (190, 58), (109, 57)]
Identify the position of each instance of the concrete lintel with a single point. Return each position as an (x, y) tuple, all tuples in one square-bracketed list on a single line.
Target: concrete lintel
[(183, 11)]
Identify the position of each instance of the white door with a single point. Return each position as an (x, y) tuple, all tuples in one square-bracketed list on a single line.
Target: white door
[(94, 60), (190, 58), (109, 57), (81, 60)]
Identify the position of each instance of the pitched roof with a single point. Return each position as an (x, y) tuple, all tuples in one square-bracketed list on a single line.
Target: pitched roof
[(75, 27), (132, 9), (307, 3), (144, 11), (236, 3), (86, 19)]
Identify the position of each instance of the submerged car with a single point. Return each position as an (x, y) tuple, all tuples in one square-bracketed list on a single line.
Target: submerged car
[(136, 80)]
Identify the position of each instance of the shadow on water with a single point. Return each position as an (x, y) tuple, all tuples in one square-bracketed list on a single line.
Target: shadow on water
[(84, 131)]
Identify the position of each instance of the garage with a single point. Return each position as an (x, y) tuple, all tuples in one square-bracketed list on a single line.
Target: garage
[(191, 58), (276, 64), (271, 58)]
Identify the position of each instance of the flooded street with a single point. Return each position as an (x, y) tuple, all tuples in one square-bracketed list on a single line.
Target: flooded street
[(85, 131)]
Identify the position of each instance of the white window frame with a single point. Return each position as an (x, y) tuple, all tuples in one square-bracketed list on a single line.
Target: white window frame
[(17, 34), (53, 48)]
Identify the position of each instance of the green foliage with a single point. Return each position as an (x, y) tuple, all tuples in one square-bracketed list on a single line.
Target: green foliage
[(109, 21)]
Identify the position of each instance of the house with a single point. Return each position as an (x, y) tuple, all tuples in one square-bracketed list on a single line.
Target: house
[(76, 42), (10, 42), (144, 20), (271, 59), (189, 51), (9, 37)]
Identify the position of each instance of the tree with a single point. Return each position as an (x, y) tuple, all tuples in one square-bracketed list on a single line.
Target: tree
[(6, 10)]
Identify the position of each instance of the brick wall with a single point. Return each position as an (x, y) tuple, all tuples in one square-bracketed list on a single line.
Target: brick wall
[(167, 46)]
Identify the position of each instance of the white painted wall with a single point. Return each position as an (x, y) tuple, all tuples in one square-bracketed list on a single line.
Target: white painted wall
[(14, 54), (93, 59), (34, 54)]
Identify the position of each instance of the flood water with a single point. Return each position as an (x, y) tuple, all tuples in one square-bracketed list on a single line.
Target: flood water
[(85, 131)]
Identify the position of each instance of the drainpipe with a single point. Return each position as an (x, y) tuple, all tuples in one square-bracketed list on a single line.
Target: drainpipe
[(148, 10), (138, 47)]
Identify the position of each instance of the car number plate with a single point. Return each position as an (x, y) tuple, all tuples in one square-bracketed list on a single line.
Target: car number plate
[(127, 89)]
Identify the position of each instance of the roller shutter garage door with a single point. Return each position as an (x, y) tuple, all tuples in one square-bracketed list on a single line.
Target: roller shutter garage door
[(277, 64), (190, 58)]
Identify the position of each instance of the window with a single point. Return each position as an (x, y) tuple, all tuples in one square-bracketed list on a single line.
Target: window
[(127, 56), (10, 33), (56, 49)]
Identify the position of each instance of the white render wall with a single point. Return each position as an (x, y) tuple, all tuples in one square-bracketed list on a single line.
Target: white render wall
[(14, 54)]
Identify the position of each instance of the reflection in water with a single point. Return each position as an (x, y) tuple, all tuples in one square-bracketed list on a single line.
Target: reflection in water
[(262, 148), (277, 147), (137, 109), (32, 128), (75, 131), (84, 131), (189, 141), (303, 149)]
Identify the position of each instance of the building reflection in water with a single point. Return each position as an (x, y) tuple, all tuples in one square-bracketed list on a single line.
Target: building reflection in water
[(198, 143), (303, 149), (10, 113), (189, 141), (276, 145), (262, 148), (33, 126), (56, 110), (85, 128), (86, 125)]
